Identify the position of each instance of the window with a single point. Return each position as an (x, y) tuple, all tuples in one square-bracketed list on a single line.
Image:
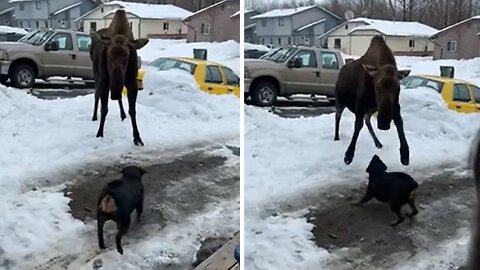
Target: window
[(232, 78), (213, 75), (37, 24), (264, 22), (205, 29), (337, 43), (64, 41), (461, 93), (476, 93), (166, 26), (329, 60), (101, 10), (262, 41), (411, 43), (131, 25), (20, 24), (46, 24), (437, 86), (452, 46), (21, 6), (93, 26), (83, 43), (281, 22), (416, 82), (346, 26), (271, 40), (307, 58), (38, 5), (279, 41)]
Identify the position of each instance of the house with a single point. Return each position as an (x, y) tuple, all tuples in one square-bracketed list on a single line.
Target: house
[(190, 5), (50, 13), (6, 13), (404, 38), (249, 29), (218, 22), (458, 41), (146, 20), (297, 26)]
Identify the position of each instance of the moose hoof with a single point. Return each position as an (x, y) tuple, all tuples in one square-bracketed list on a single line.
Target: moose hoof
[(379, 145), (94, 118), (138, 142), (120, 250), (99, 135), (404, 156), (123, 117), (348, 158)]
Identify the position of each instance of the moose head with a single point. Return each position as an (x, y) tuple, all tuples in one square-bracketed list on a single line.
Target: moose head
[(386, 80)]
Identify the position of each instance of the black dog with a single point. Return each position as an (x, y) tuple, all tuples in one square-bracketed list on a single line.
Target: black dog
[(395, 188), (117, 202)]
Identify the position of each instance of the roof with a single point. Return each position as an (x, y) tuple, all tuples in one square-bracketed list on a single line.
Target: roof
[(235, 14), (18, 1), (66, 8), (287, 12), (145, 11), (207, 8), (455, 25), (7, 10), (310, 25), (389, 28), (250, 26), (443, 79)]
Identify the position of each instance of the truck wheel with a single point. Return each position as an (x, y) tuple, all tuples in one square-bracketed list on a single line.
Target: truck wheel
[(23, 76), (264, 94), (3, 79)]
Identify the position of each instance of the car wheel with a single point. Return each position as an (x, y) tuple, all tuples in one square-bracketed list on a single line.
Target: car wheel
[(23, 76), (264, 94)]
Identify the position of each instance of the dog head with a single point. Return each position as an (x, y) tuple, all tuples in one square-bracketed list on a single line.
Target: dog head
[(376, 165), (133, 172)]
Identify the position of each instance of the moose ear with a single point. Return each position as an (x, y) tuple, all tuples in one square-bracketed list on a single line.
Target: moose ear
[(97, 38), (139, 43), (372, 70), (403, 73)]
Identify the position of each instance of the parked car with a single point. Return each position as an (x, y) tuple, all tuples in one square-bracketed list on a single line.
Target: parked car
[(292, 70), (459, 95), (211, 77)]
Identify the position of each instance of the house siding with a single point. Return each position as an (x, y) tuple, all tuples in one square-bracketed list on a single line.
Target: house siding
[(222, 26), (6, 19), (467, 42)]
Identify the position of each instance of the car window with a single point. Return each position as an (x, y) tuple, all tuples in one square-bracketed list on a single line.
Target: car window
[(307, 58), (461, 93), (476, 93), (437, 86), (64, 41), (213, 75), (329, 60), (189, 67), (232, 78), (416, 82), (83, 43), (168, 64)]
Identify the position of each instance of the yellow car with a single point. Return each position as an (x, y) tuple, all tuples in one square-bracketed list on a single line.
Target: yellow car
[(459, 95), (211, 77)]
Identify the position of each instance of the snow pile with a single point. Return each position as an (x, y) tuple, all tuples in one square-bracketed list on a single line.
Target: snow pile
[(41, 137), (288, 159), (9, 29), (227, 53), (251, 46), (394, 28), (151, 11)]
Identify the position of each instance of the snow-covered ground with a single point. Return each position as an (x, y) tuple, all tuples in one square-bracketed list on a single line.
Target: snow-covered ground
[(289, 159), (43, 137)]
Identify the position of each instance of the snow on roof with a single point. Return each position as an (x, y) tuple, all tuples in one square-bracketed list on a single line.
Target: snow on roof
[(289, 12), (310, 25), (151, 11), (394, 28), (235, 14), (18, 1), (206, 8), (9, 29), (250, 26), (7, 10), (456, 24), (66, 8)]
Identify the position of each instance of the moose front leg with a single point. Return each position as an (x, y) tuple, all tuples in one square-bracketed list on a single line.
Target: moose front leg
[(95, 108), (103, 113), (351, 148), (404, 149), (132, 92)]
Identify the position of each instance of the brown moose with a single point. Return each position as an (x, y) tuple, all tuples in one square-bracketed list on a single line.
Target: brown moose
[(114, 56), (474, 256), (369, 84)]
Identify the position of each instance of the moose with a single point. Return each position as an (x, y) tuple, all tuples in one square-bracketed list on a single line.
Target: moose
[(114, 55), (474, 256), (367, 85)]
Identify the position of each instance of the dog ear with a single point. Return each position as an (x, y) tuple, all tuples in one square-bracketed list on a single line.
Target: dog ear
[(137, 44), (376, 165)]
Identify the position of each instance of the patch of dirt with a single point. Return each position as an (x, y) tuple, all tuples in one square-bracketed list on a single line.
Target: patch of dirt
[(445, 203)]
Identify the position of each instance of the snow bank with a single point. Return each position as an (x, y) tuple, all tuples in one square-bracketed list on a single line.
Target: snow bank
[(287, 159), (251, 46), (227, 53), (9, 29), (42, 136)]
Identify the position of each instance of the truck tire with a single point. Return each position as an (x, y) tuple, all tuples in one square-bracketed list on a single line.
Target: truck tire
[(22, 76), (3, 79), (264, 93)]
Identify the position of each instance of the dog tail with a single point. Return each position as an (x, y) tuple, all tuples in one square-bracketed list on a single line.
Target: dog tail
[(107, 205)]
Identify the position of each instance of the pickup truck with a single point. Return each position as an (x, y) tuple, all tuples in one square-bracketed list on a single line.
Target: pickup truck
[(291, 70)]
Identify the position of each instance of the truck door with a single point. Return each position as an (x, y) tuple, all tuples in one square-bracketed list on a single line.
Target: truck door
[(304, 79), (329, 73), (84, 63), (63, 61)]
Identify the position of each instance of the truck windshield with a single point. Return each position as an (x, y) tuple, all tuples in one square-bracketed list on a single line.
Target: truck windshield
[(36, 38), (279, 55)]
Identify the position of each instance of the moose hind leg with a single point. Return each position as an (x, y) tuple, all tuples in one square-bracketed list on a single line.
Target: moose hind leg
[(132, 100), (95, 108), (104, 112), (368, 123), (351, 148), (339, 108), (122, 110)]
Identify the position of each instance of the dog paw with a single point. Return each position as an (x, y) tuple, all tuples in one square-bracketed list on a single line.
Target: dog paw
[(138, 142), (412, 214)]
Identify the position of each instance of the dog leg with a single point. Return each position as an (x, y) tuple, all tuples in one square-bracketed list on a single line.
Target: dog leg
[(368, 123), (397, 210), (364, 199), (414, 212), (122, 230), (339, 108), (100, 222)]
